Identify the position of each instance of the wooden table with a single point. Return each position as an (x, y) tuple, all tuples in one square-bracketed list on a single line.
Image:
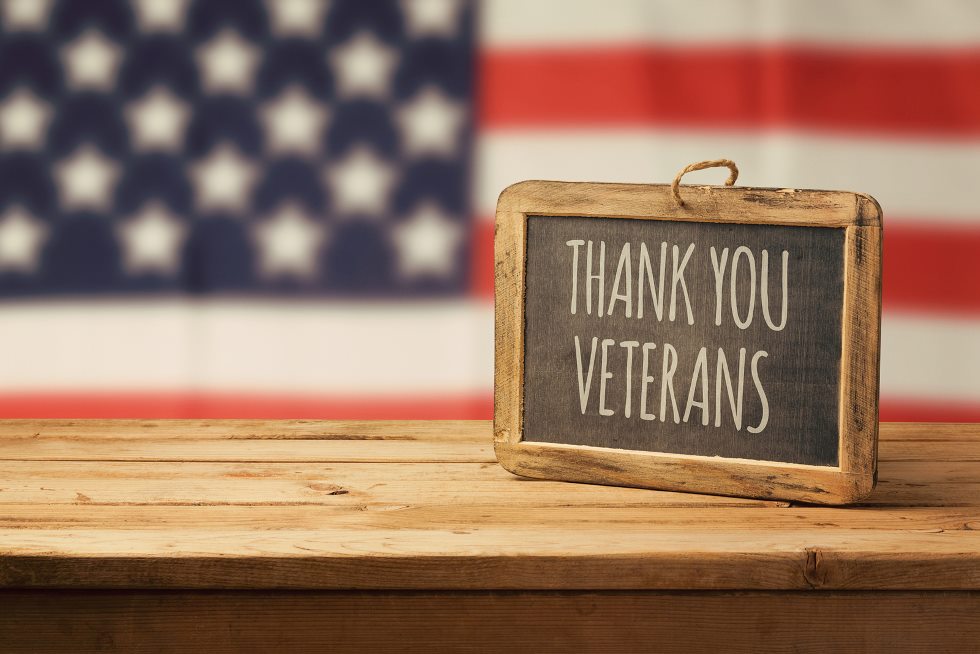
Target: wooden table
[(402, 537)]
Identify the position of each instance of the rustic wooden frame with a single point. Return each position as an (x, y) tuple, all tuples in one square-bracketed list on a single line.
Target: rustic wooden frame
[(854, 476)]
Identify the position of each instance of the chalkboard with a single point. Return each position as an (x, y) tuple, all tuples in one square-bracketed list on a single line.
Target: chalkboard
[(728, 344), (730, 371)]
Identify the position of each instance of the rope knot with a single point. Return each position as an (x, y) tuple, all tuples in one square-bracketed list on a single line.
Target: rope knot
[(675, 186)]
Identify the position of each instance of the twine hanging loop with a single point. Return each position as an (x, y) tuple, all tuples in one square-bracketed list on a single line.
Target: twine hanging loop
[(675, 186)]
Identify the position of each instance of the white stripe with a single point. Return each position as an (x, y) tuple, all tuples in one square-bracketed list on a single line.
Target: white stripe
[(288, 347), (926, 358), (355, 350), (912, 179), (864, 23)]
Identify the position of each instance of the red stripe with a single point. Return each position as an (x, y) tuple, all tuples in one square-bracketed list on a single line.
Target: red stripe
[(481, 261), (892, 410), (877, 91), (190, 405), (929, 269)]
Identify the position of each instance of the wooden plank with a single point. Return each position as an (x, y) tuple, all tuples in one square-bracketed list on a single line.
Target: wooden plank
[(931, 472), (429, 430), (453, 430), (723, 204), (861, 324), (929, 431), (509, 236), (736, 477), (929, 451), (456, 516), (337, 525), (538, 623), (492, 558), (898, 493), (396, 484), (209, 449), (57, 448)]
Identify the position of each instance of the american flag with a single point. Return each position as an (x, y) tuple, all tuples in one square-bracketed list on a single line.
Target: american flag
[(284, 208)]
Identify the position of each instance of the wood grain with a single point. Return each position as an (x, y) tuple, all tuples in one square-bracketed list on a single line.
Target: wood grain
[(317, 450), (90, 504), (861, 326), (455, 431), (481, 559), (533, 622), (395, 484), (593, 518), (948, 444), (510, 236), (939, 432), (735, 204), (187, 536)]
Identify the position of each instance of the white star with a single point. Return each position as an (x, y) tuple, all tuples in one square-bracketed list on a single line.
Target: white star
[(363, 66), (23, 120), (293, 122), (289, 244), (161, 15), (157, 121), (151, 241), (431, 17), (91, 61), (86, 179), (427, 243), (228, 63), (361, 183), (224, 180), (430, 123), (27, 15), (21, 238), (297, 17)]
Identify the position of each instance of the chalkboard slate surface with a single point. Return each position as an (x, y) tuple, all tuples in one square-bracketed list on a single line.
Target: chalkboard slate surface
[(710, 339), (799, 374)]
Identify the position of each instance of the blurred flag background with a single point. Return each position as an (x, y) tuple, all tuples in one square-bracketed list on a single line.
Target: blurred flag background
[(284, 208)]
